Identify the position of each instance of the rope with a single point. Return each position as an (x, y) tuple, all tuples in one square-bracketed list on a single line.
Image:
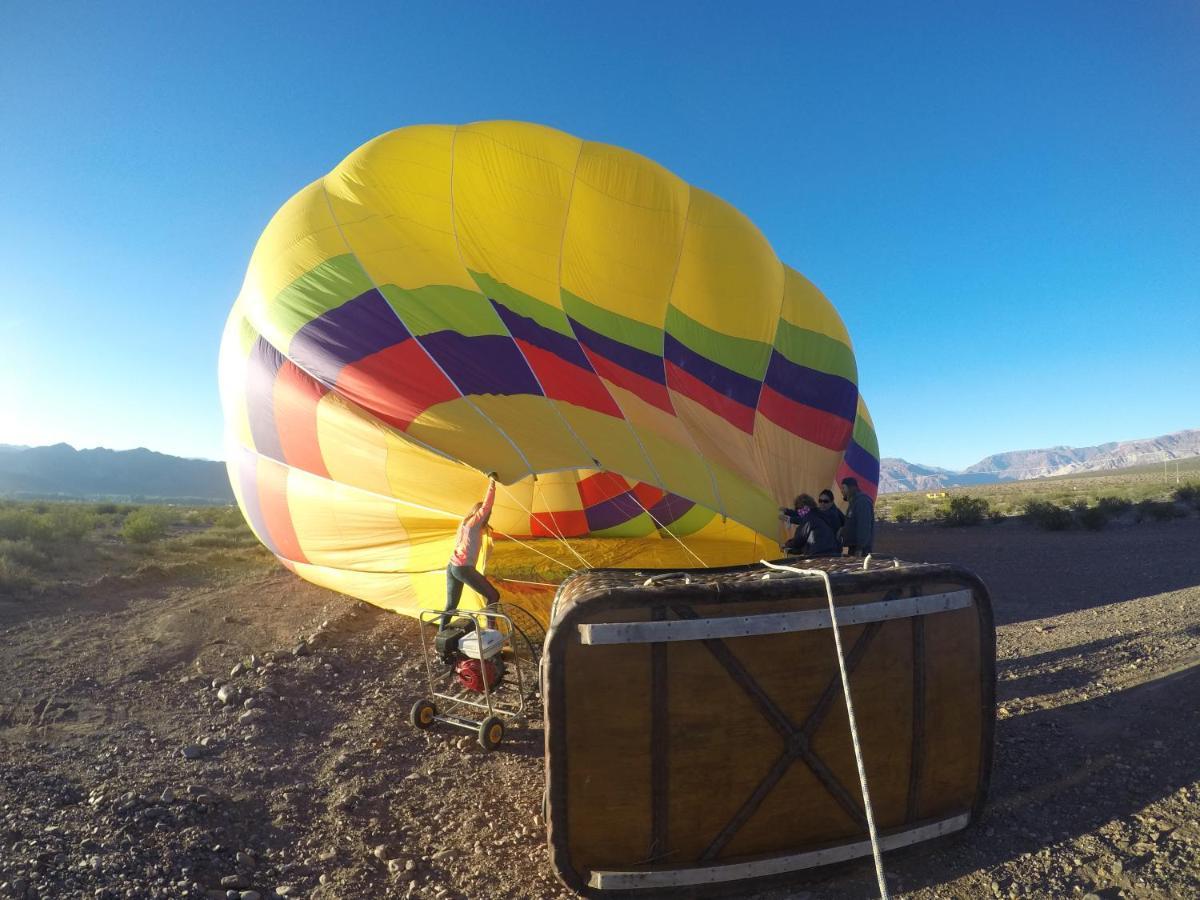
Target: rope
[(862, 772), (553, 521), (663, 527), (534, 549), (559, 538)]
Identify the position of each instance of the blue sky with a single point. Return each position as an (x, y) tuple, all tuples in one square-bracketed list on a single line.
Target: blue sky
[(1002, 199)]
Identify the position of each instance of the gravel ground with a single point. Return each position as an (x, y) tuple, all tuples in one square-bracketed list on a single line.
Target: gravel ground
[(194, 733)]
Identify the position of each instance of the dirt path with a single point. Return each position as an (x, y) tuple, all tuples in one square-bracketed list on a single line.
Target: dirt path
[(310, 782)]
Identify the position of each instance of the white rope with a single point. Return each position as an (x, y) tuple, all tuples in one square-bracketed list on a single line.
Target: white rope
[(559, 538), (554, 522), (663, 527), (558, 562), (862, 772)]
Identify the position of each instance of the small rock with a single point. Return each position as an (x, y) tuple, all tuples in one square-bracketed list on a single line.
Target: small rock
[(192, 751), (250, 716), (237, 670), (251, 895), (167, 796), (227, 693), (384, 852), (237, 882), (284, 890), (300, 650)]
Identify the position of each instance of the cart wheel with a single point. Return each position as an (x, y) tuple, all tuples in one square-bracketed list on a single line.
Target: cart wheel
[(491, 733), (422, 714)]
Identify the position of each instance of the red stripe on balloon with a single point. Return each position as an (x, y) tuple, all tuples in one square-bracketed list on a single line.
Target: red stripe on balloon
[(653, 393), (600, 487), (822, 428), (296, 398), (396, 384), (741, 417), (567, 522), (865, 484), (647, 494), (272, 497), (565, 381)]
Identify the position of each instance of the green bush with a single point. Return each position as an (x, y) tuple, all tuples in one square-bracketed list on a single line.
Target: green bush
[(1113, 506), (146, 524), (72, 522), (25, 524), (104, 509), (228, 517), (1048, 515), (23, 553), (964, 510), (14, 577), (1188, 493), (905, 510), (1159, 510), (1093, 518)]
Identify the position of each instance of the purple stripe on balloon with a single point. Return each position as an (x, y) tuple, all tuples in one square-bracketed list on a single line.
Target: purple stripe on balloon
[(248, 479), (261, 368), (637, 361), (526, 329), (733, 385), (346, 334), (486, 364), (862, 462), (615, 511), (671, 508), (820, 390)]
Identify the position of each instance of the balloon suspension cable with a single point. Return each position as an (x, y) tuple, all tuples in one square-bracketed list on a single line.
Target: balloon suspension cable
[(858, 759), (557, 562), (557, 537), (554, 522), (662, 527)]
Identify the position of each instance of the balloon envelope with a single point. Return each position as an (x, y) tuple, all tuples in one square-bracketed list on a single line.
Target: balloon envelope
[(625, 350)]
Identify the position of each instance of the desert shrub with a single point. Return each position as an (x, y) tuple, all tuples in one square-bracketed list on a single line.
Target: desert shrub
[(228, 517), (1093, 518), (1158, 510), (964, 510), (905, 510), (146, 524), (104, 509), (26, 524), (1188, 493), (14, 577), (1113, 506), (1049, 516), (72, 522), (23, 553)]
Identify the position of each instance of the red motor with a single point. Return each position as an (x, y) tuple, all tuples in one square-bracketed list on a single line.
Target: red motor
[(471, 674)]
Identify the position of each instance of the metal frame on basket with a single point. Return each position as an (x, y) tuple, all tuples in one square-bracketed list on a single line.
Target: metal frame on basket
[(440, 685)]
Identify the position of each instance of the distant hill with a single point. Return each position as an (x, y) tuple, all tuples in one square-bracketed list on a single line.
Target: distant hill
[(898, 475), (62, 471)]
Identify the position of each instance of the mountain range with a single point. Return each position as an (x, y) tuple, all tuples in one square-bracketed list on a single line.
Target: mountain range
[(62, 471), (900, 475)]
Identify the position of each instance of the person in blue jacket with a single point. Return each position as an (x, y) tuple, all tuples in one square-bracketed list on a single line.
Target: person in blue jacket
[(813, 535)]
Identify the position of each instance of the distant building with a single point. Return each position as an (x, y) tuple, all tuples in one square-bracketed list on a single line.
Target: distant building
[(937, 495)]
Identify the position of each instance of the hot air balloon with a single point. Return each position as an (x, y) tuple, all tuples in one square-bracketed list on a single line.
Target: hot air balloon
[(651, 383), (624, 349)]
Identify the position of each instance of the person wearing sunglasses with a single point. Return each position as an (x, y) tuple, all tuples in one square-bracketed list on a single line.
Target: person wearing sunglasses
[(813, 536), (830, 512)]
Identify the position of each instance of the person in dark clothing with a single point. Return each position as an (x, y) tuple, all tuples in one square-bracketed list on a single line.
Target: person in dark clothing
[(830, 512), (859, 531), (813, 536)]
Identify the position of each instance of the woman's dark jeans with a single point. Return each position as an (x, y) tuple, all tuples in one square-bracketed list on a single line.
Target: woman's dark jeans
[(456, 577)]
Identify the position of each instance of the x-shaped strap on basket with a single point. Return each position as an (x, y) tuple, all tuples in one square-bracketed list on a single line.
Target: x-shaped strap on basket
[(796, 740)]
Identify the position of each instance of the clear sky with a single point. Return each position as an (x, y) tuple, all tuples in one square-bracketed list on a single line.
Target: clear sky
[(1002, 199)]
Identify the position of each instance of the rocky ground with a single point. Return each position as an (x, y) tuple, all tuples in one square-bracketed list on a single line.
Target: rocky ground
[(226, 730)]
